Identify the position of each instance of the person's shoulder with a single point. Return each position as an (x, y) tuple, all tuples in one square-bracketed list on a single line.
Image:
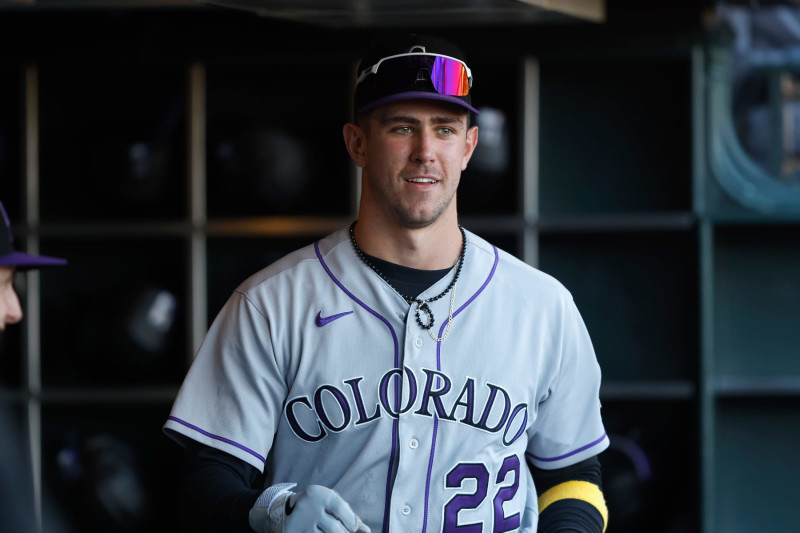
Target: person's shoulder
[(516, 274), (297, 263)]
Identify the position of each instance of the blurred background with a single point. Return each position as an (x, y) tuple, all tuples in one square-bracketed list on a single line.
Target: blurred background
[(647, 154)]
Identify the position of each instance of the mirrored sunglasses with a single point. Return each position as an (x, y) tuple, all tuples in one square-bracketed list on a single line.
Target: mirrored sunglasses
[(449, 76)]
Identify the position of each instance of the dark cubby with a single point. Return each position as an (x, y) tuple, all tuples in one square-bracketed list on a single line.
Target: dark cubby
[(755, 454), (649, 468), (113, 141), (116, 313), (105, 468), (637, 293), (264, 155), (757, 301), (615, 134)]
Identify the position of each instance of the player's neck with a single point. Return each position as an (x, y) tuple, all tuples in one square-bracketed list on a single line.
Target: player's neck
[(434, 247)]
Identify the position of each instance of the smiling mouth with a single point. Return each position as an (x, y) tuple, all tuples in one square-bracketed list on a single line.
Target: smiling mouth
[(421, 180)]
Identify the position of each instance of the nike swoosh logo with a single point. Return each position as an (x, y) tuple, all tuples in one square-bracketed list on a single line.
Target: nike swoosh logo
[(325, 320)]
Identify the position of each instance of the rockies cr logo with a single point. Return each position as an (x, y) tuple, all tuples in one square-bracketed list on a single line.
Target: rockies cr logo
[(331, 410)]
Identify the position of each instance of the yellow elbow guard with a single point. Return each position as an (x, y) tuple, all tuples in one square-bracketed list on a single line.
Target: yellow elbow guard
[(576, 490)]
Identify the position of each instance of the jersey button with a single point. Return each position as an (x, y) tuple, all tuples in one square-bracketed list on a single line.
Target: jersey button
[(406, 510), (413, 444), (418, 342)]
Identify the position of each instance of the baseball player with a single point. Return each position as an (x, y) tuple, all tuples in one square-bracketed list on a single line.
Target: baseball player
[(401, 374)]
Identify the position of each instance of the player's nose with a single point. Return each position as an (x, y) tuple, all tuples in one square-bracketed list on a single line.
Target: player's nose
[(423, 151), (12, 310)]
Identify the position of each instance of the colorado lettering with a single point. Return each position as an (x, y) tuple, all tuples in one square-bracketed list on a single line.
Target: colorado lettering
[(332, 409)]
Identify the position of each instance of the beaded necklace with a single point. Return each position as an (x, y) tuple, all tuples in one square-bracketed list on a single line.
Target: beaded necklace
[(421, 304)]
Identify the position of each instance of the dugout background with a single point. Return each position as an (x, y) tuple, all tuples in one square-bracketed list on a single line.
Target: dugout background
[(170, 153)]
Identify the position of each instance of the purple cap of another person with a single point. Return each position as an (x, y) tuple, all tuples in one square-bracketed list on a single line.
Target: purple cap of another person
[(11, 257)]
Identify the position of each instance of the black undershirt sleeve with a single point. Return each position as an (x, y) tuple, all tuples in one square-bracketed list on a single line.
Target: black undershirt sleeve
[(216, 491), (569, 515)]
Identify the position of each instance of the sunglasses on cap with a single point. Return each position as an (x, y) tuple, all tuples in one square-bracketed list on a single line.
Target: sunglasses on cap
[(449, 76)]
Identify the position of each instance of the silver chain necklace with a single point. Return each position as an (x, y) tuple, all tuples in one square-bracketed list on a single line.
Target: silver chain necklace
[(422, 307)]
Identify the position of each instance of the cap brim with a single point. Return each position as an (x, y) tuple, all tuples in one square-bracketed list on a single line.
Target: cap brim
[(22, 260), (416, 95)]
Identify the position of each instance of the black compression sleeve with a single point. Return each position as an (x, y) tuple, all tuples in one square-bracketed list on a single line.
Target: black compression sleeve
[(217, 491), (586, 470), (569, 515)]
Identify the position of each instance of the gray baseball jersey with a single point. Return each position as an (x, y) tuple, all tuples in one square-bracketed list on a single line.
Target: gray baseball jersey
[(317, 371)]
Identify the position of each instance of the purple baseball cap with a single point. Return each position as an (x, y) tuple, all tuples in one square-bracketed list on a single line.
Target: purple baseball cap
[(394, 69), (12, 258)]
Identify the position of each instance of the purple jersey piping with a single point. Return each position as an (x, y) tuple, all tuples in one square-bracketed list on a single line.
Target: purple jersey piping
[(216, 437), (439, 368), (579, 450), (397, 391)]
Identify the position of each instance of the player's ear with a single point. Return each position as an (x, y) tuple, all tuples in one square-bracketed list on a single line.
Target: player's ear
[(355, 140), (469, 148)]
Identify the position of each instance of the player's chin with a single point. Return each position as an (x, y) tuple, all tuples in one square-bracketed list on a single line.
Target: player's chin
[(422, 216), (419, 222)]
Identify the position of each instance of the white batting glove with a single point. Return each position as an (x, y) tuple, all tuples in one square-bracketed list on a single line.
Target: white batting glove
[(279, 510)]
